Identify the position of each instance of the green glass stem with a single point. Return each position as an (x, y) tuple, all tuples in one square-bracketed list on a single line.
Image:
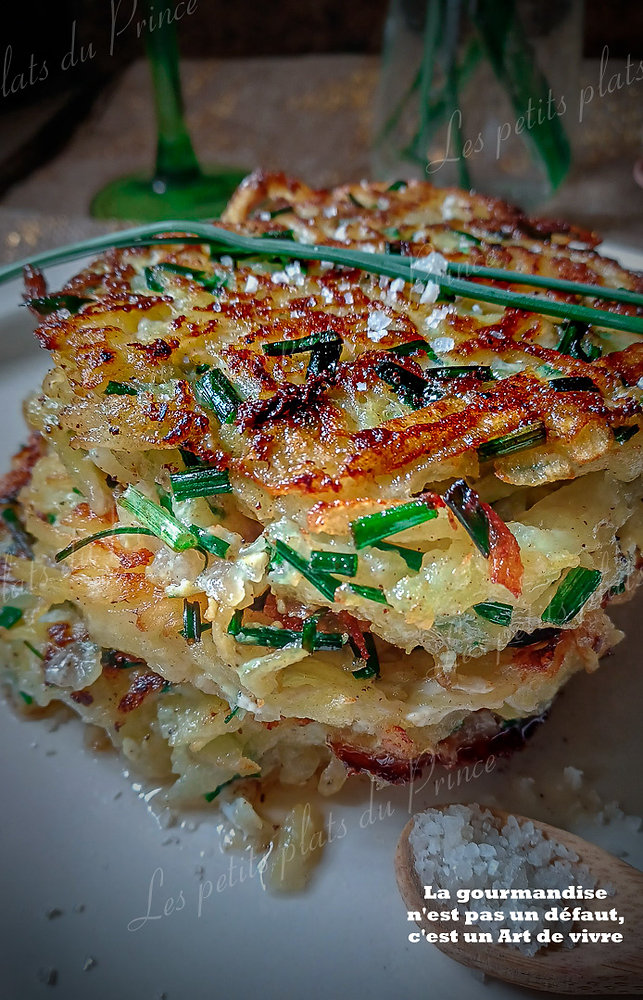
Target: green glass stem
[(179, 188), (175, 156)]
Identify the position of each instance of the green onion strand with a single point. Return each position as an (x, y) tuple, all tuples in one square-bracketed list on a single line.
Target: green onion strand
[(373, 528), (572, 594), (82, 542)]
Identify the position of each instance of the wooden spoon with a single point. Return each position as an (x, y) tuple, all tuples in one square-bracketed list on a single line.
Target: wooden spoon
[(587, 968)]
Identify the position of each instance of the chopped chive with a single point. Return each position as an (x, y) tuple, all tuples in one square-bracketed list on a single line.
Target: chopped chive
[(28, 700), (623, 434), (573, 383), (32, 649), (344, 563), (374, 527), (372, 663), (412, 558), (119, 389), (211, 543), (414, 390), (75, 490), (211, 796), (280, 211), (575, 590), (108, 532), (210, 282), (21, 538), (230, 716), (411, 347), (370, 593), (121, 661), (325, 348), (268, 635), (50, 518), (469, 237), (192, 628), (494, 611), (571, 341), (355, 201), (165, 499), (465, 504), (151, 280), (309, 633), (234, 626), (522, 639), (326, 355), (397, 186), (157, 520), (48, 304), (215, 392), (481, 372), (323, 582), (189, 459), (200, 482), (507, 444), (9, 616), (328, 641)]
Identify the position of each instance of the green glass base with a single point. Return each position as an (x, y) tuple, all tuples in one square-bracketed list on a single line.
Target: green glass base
[(144, 199)]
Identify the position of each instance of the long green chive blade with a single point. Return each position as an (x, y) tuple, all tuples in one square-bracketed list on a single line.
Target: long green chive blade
[(344, 563), (393, 265), (9, 616), (211, 543), (465, 504), (119, 389), (32, 649), (370, 593), (374, 527), (157, 520), (412, 558), (234, 626), (231, 714), (413, 347), (216, 392), (507, 444), (200, 482), (623, 434), (108, 532), (192, 621), (494, 611), (48, 304), (573, 383), (574, 592), (372, 663), (544, 281), (270, 636), (21, 538), (323, 582)]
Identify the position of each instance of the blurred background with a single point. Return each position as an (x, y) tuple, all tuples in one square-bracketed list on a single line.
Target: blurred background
[(280, 85)]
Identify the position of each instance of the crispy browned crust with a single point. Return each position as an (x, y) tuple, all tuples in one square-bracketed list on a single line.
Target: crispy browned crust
[(298, 437)]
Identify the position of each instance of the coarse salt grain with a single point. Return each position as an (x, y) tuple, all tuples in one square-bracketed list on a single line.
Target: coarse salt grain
[(466, 847), (251, 284), (377, 325), (442, 345)]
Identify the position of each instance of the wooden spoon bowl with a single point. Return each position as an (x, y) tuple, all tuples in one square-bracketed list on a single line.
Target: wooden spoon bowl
[(587, 968)]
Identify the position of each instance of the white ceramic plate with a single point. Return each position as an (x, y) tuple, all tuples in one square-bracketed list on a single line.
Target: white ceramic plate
[(74, 834)]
